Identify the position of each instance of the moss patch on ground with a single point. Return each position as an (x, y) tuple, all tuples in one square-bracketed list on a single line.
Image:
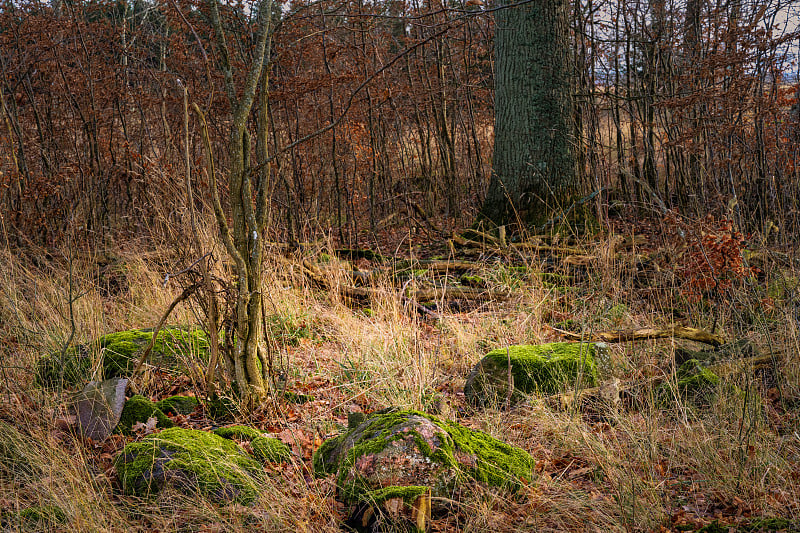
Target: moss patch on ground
[(120, 353), (420, 449), (535, 369), (192, 461), (140, 409)]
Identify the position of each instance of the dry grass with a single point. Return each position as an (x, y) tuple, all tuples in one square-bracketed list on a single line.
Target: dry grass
[(640, 469)]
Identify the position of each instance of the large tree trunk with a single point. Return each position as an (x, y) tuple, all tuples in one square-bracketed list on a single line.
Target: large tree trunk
[(533, 167)]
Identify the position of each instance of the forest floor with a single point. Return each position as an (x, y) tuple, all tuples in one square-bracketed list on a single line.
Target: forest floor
[(720, 464)]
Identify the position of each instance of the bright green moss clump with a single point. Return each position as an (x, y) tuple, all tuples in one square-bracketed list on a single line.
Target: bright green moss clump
[(420, 449), (693, 377), (140, 409), (191, 461), (270, 450), (238, 432), (179, 405), (535, 369), (265, 449)]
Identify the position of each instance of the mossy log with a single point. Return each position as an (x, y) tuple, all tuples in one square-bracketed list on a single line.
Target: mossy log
[(626, 335)]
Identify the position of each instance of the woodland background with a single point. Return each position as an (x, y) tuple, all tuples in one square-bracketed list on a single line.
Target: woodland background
[(679, 105)]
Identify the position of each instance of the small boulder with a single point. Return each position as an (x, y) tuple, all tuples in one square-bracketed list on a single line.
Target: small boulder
[(265, 449), (535, 369), (695, 383), (99, 407), (178, 405), (191, 461), (411, 448), (140, 409)]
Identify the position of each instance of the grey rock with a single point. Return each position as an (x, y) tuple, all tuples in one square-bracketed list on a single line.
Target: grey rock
[(99, 407)]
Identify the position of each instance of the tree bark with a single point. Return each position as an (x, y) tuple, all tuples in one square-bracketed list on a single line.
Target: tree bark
[(533, 172)]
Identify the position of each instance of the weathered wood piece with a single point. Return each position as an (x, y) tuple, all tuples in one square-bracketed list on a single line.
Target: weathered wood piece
[(626, 335)]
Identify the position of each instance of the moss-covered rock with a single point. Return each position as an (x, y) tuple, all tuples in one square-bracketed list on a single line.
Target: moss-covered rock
[(178, 405), (265, 449), (270, 450), (43, 515), (694, 377), (192, 461), (535, 369), (140, 409), (405, 448), (34, 518), (238, 432), (120, 352), (694, 381)]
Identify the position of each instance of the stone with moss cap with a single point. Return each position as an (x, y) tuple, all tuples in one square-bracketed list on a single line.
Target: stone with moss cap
[(405, 448), (535, 369), (120, 352), (695, 382), (265, 449), (178, 405), (192, 461), (140, 409)]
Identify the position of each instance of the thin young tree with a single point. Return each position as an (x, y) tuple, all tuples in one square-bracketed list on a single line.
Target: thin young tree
[(248, 198)]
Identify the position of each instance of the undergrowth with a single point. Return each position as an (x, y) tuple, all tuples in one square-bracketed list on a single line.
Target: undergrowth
[(642, 466)]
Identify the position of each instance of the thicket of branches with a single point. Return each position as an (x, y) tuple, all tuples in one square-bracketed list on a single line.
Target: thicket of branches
[(682, 104)]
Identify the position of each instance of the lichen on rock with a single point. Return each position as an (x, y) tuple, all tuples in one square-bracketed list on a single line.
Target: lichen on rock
[(192, 461), (404, 448), (535, 369)]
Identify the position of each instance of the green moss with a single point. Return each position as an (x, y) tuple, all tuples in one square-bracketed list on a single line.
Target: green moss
[(297, 397), (693, 377), (535, 369), (270, 450), (49, 514), (238, 432), (409, 494), (221, 408), (179, 405), (191, 460), (770, 524), (120, 352), (472, 281), (695, 382), (139, 409), (468, 453), (324, 460)]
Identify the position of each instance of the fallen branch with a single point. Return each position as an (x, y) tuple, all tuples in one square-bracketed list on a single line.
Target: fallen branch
[(452, 293), (677, 332)]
